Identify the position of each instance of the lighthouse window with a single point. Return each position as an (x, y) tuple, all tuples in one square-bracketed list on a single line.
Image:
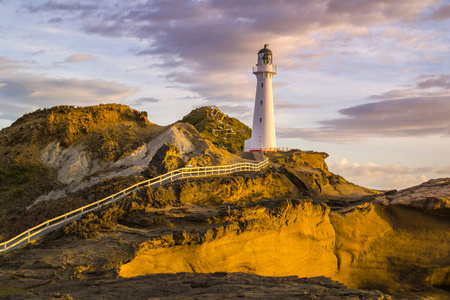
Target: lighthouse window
[(260, 120), (261, 102), (262, 84)]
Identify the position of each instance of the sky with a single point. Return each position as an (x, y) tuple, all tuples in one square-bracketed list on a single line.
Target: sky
[(367, 82)]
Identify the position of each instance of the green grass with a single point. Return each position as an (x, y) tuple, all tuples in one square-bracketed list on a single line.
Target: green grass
[(18, 174)]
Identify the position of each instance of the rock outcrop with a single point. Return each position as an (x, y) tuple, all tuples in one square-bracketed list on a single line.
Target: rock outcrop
[(78, 170), (308, 170), (199, 286), (259, 241), (432, 196), (166, 159), (294, 218), (393, 248), (223, 131)]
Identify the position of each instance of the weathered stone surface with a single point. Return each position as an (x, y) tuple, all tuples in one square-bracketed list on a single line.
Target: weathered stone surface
[(308, 171), (276, 222), (201, 286), (166, 159), (432, 196), (394, 248), (274, 243)]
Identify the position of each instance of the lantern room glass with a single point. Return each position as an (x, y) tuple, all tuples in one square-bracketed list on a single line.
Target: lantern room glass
[(264, 58)]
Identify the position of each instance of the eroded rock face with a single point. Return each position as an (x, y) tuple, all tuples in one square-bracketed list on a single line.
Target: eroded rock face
[(236, 189), (272, 223), (371, 247), (77, 168), (398, 249), (166, 159), (432, 196), (268, 243), (308, 170), (394, 248)]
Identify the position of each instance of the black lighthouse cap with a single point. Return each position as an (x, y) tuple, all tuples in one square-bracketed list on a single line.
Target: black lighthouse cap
[(265, 50)]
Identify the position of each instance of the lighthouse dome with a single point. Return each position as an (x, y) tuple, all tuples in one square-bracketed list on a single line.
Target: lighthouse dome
[(265, 50)]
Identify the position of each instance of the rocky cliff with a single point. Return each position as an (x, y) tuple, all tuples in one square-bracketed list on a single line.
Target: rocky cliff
[(56, 153), (397, 249), (294, 218)]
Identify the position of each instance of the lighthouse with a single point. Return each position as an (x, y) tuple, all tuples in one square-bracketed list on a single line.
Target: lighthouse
[(263, 129)]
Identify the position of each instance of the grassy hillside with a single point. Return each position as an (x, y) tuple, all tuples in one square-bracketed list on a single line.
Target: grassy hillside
[(223, 131), (110, 131)]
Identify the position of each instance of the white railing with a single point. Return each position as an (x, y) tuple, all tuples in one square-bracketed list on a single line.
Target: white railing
[(271, 149), (55, 223)]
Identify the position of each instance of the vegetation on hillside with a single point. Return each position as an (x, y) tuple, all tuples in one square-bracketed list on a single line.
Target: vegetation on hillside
[(223, 131), (110, 130), (15, 218), (235, 189)]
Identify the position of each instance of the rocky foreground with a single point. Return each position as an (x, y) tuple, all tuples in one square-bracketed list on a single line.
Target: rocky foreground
[(397, 249), (200, 286), (293, 229)]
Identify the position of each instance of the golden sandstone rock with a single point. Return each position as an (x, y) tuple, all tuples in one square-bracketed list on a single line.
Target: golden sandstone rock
[(298, 241), (295, 218)]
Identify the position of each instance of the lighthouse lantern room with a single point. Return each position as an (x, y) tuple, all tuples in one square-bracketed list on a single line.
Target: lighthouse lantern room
[(263, 129)]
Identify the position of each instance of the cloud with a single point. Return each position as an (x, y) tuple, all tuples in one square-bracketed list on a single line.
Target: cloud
[(405, 117), (320, 135), (442, 13), (428, 85), (218, 38), (55, 20), (435, 81), (8, 66), (444, 171), (281, 104), (142, 101), (57, 6), (21, 92), (77, 58), (378, 176), (35, 89), (425, 116), (420, 110)]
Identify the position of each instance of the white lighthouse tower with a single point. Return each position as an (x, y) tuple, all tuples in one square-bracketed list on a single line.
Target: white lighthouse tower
[(263, 129)]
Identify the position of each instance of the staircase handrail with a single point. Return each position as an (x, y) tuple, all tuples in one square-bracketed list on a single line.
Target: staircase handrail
[(275, 149), (35, 232)]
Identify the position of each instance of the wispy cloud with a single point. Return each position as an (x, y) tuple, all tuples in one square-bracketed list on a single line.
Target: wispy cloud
[(142, 101), (391, 118), (58, 6), (406, 117), (441, 13), (21, 92), (421, 110), (281, 104), (77, 58), (379, 176), (444, 171), (208, 39)]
